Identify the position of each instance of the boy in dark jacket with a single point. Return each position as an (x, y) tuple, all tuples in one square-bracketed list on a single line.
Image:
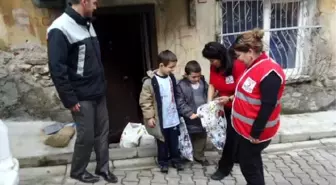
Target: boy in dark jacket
[(192, 92)]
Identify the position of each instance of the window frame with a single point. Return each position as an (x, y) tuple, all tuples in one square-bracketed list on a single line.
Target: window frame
[(303, 20)]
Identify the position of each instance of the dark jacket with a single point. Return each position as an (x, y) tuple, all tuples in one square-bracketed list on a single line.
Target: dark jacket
[(74, 59), (186, 104), (151, 103)]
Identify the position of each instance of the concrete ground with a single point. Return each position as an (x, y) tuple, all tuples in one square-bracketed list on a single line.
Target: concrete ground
[(27, 146), (308, 166)]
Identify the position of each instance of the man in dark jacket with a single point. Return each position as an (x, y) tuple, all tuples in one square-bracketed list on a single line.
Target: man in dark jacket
[(77, 72), (192, 92)]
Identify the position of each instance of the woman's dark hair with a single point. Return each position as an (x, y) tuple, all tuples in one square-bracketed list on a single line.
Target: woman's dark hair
[(215, 50), (192, 67)]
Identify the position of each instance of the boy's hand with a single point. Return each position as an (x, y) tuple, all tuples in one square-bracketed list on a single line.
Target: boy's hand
[(193, 116), (151, 123)]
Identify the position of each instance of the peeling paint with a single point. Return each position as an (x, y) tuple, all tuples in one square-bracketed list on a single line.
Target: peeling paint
[(23, 22), (21, 18)]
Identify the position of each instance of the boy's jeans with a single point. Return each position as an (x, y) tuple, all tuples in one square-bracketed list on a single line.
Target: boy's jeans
[(169, 149), (198, 141)]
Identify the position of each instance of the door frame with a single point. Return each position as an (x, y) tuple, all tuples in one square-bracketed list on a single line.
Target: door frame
[(147, 12), (147, 9)]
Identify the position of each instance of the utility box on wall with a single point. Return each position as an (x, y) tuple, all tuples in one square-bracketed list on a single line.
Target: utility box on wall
[(50, 3)]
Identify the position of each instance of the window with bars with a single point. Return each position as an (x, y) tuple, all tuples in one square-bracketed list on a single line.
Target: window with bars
[(287, 25)]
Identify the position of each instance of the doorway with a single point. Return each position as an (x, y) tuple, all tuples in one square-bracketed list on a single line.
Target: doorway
[(127, 37)]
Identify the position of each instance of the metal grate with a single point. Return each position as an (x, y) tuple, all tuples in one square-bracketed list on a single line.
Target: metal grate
[(292, 34)]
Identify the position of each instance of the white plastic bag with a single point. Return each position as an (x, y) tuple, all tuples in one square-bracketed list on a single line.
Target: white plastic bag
[(9, 171), (214, 122), (9, 166), (185, 144), (131, 135), (147, 140)]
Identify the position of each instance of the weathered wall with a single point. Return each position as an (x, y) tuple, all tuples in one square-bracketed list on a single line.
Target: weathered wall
[(21, 22), (187, 42), (320, 93), (26, 88)]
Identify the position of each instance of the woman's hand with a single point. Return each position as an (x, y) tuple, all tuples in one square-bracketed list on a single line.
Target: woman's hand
[(223, 99), (254, 141)]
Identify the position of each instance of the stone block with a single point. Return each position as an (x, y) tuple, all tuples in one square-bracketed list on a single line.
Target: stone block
[(69, 181), (209, 145), (294, 137), (122, 153), (138, 162), (328, 141), (46, 83), (279, 147), (52, 159), (149, 151), (131, 176), (145, 180), (306, 144), (42, 180), (25, 67), (114, 145), (33, 173), (276, 139), (212, 154), (42, 69), (322, 134)]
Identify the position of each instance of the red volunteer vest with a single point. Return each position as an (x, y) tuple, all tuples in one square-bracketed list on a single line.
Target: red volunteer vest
[(246, 104)]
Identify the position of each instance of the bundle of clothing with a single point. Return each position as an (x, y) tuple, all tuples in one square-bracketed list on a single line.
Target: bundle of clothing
[(59, 135)]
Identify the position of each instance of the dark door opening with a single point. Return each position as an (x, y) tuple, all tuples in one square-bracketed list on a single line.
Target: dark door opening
[(127, 39)]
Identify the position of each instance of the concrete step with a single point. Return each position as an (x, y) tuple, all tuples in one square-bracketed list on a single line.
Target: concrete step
[(27, 146)]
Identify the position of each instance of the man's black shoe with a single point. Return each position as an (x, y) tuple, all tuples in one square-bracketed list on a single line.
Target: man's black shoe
[(86, 177), (164, 169), (178, 167), (217, 176), (108, 176)]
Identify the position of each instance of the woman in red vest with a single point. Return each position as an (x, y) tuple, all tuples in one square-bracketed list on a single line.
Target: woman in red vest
[(224, 75), (256, 105)]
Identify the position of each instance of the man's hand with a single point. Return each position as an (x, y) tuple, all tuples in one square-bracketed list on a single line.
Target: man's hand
[(193, 116), (75, 108), (254, 141), (223, 99), (151, 123)]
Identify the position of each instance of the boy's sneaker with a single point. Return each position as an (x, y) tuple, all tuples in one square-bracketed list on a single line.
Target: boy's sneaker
[(178, 167), (164, 169)]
